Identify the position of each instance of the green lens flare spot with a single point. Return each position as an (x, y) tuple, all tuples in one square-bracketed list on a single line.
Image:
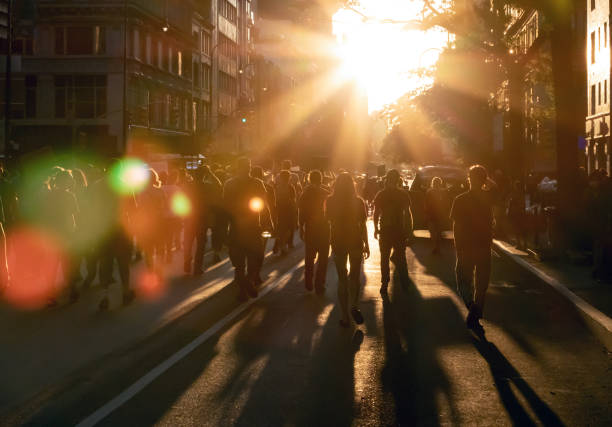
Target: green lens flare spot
[(180, 205), (129, 176)]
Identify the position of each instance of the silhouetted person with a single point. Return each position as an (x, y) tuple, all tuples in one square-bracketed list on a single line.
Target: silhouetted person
[(436, 211), (347, 215), (314, 231), (391, 207), (472, 215), (117, 212), (195, 228), (245, 200), (213, 198), (286, 211)]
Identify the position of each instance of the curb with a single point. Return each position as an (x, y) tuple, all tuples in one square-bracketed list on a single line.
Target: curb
[(599, 324)]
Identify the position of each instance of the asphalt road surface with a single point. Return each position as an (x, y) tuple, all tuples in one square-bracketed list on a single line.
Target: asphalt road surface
[(284, 360)]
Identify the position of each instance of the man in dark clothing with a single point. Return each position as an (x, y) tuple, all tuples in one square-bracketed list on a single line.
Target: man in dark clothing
[(245, 200), (472, 215), (195, 228), (314, 231), (391, 208)]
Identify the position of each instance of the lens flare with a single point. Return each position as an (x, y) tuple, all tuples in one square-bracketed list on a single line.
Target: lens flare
[(149, 285), (34, 261), (129, 176), (256, 204), (180, 205)]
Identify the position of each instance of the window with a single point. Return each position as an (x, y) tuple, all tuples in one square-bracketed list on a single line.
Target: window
[(227, 83), (197, 74), (227, 47), (605, 35), (154, 52), (593, 47), (21, 46), (170, 62), (206, 76), (592, 4), (605, 91), (227, 10), (80, 40), (30, 96), (599, 93), (179, 63), (206, 43), (148, 49), (599, 39), (593, 100), (81, 97)]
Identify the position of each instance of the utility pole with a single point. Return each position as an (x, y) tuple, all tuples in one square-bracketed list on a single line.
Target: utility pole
[(8, 71)]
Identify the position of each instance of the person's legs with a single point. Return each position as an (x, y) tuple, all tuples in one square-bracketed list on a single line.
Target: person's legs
[(255, 257), (385, 245), (399, 259), (483, 275), (309, 259), (200, 249), (464, 273), (188, 246), (322, 262), (340, 259), (355, 261), (238, 258), (123, 250)]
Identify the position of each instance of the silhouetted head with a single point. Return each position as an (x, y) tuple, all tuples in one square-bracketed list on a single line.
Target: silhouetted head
[(286, 165), (478, 176), (392, 178), (315, 177), (243, 167), (344, 186)]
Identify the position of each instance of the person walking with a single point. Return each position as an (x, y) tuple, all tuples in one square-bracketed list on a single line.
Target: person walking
[(195, 229), (286, 211), (244, 198), (391, 207), (314, 231), (436, 211), (472, 216), (347, 215)]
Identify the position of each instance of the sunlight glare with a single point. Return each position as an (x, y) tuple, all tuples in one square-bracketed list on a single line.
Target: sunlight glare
[(385, 59)]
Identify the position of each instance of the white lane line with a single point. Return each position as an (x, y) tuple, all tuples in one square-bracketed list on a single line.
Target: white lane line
[(156, 372)]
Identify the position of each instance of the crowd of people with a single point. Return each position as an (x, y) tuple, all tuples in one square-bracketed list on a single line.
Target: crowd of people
[(103, 215)]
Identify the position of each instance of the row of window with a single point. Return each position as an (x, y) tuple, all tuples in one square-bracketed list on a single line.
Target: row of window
[(596, 41), (201, 75), (227, 83), (227, 10), (596, 96), (81, 40), (23, 100), (227, 47)]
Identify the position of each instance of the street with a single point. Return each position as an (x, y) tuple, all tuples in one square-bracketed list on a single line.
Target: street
[(285, 360)]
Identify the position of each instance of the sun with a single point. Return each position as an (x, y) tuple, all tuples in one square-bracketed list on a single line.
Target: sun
[(385, 58)]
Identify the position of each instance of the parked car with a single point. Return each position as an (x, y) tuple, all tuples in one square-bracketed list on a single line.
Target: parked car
[(455, 180)]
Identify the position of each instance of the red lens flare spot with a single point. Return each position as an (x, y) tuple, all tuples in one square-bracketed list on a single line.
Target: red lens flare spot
[(35, 259), (149, 284)]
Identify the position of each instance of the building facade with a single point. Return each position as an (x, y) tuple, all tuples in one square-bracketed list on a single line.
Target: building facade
[(125, 76), (597, 129)]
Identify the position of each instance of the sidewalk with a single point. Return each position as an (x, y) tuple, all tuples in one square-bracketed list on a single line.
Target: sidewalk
[(592, 299), (42, 348)]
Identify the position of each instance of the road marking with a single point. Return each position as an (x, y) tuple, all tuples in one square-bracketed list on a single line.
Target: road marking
[(160, 369)]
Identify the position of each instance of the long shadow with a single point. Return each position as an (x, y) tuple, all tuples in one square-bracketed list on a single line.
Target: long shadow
[(505, 374), (414, 328), (503, 295)]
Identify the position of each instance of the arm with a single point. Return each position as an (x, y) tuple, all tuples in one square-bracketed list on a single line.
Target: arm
[(376, 218), (364, 231)]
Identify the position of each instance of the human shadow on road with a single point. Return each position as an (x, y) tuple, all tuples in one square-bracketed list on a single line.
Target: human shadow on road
[(504, 374), (414, 328)]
